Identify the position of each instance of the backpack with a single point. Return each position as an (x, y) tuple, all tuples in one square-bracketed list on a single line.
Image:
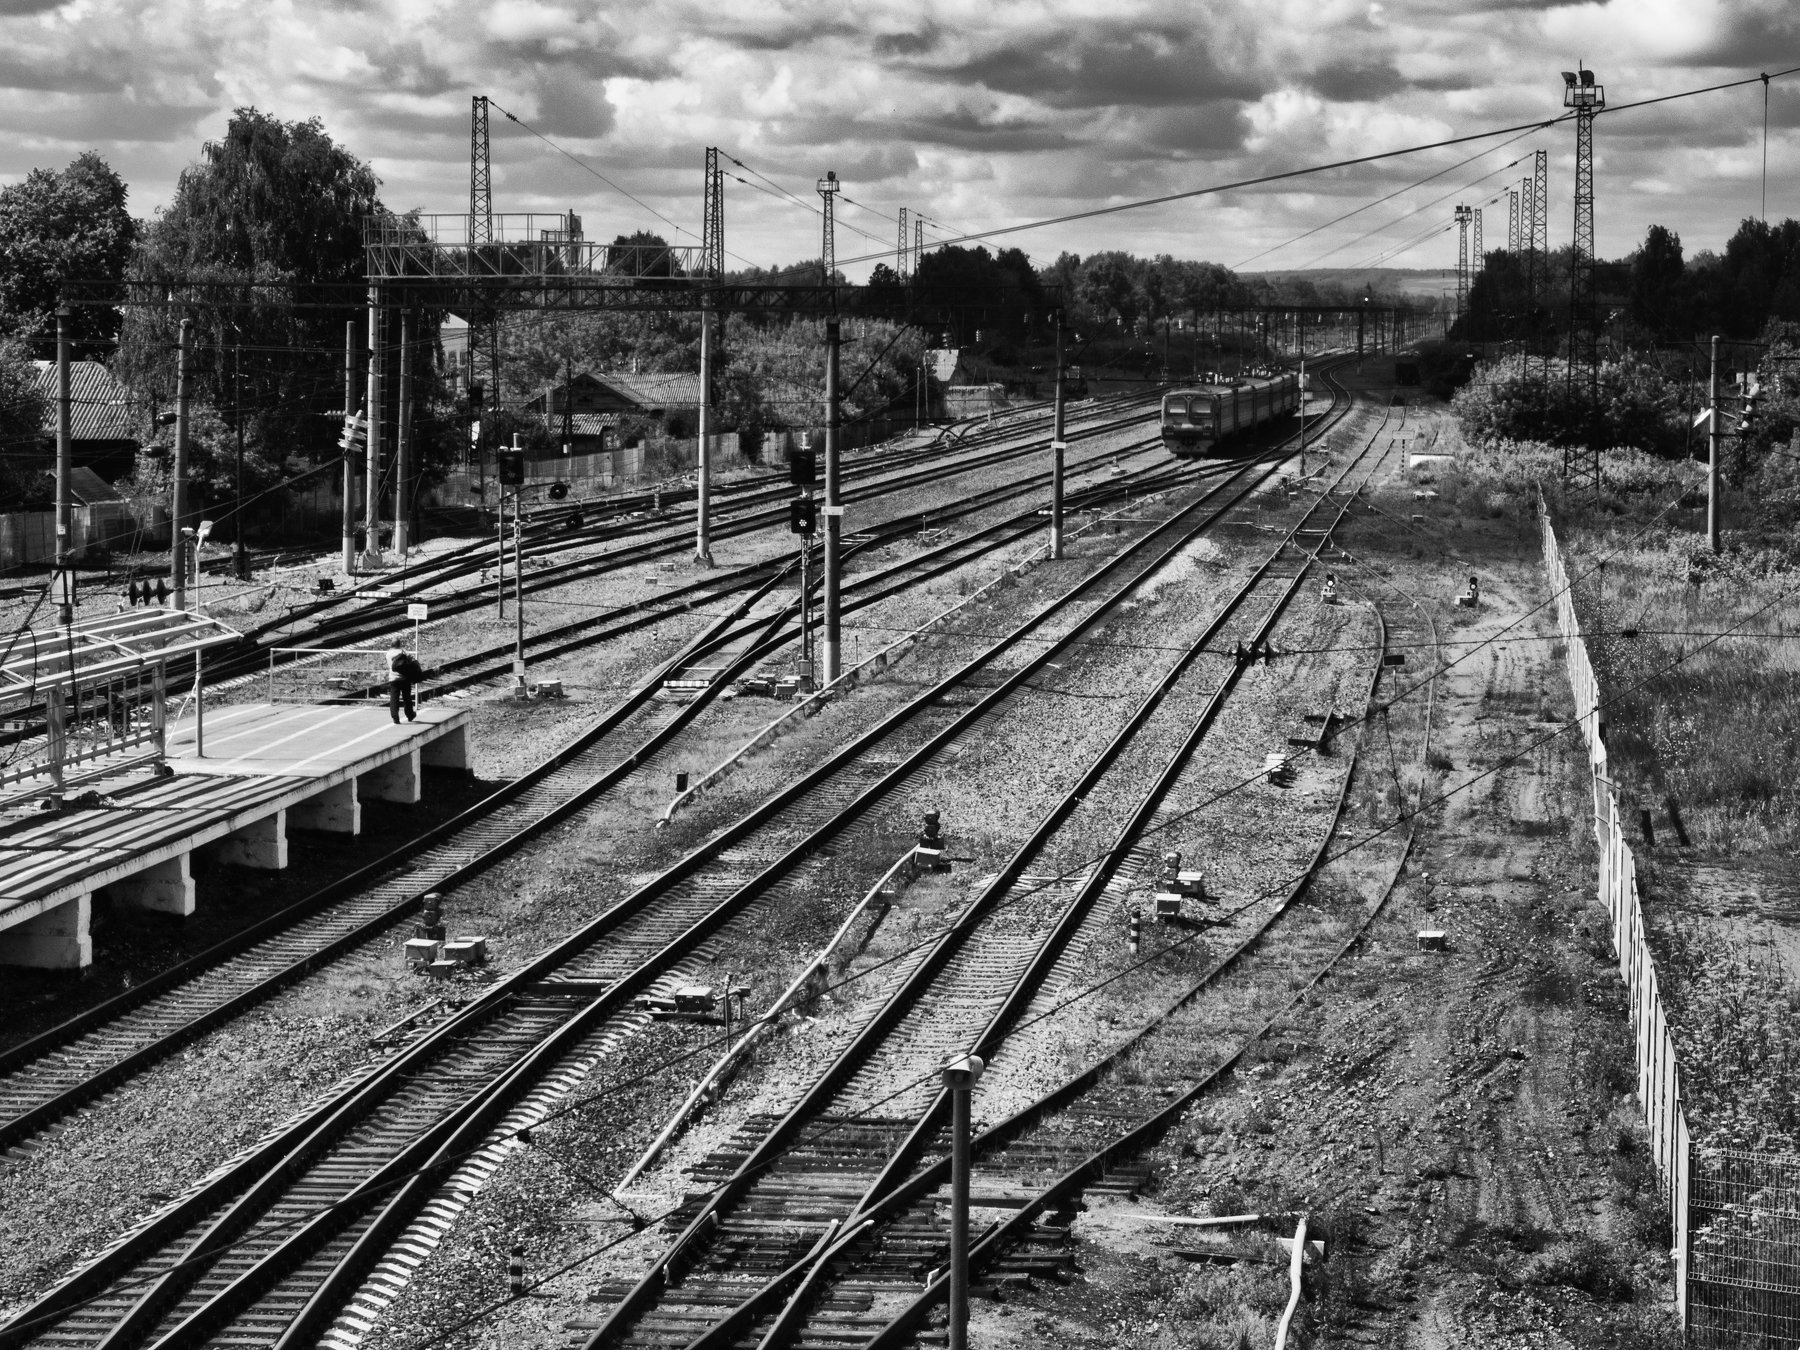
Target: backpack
[(407, 667)]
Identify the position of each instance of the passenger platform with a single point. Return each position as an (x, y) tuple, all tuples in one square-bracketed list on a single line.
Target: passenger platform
[(258, 770)]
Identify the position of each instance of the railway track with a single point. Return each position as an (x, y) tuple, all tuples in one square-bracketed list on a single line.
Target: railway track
[(787, 1185), (45, 1079), (157, 1284)]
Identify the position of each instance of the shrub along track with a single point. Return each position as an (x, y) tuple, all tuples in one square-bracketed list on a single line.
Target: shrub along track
[(44, 1079), (787, 1187), (374, 1151)]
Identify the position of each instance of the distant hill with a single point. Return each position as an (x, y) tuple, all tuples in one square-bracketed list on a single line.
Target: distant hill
[(1419, 282)]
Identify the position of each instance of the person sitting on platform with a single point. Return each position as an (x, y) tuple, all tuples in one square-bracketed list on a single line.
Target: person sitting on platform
[(404, 672)]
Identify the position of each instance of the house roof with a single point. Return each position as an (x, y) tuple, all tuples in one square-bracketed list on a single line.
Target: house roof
[(88, 487), (655, 391), (100, 408), (580, 424)]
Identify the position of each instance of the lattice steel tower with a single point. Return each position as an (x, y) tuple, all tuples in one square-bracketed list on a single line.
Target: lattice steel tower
[(1587, 97), (1512, 221), (902, 264), (1476, 252), (918, 254), (1462, 260), (1536, 209), (712, 227), (828, 190), (481, 180)]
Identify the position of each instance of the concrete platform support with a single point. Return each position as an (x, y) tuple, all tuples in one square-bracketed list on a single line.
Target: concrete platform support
[(261, 843), (337, 810), (167, 888), (449, 751), (57, 939), (395, 781)]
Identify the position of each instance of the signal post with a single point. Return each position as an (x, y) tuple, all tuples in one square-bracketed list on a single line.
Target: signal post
[(803, 520)]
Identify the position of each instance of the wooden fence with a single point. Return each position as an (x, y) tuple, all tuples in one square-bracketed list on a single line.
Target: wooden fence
[(30, 536)]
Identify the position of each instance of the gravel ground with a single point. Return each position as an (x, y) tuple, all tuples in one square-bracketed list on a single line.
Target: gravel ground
[(524, 905), (1459, 1123), (990, 794)]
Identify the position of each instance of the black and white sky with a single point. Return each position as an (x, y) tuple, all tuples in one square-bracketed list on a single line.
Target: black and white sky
[(978, 113)]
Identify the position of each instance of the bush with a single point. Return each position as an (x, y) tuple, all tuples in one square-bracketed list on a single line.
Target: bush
[(1581, 1263), (1515, 398)]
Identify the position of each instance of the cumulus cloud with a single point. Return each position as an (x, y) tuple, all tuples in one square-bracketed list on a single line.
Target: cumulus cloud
[(981, 112)]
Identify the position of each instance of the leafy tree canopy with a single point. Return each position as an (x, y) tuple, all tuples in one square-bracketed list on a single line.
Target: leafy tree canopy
[(56, 227)]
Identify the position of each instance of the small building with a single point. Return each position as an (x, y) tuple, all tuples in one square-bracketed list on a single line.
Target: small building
[(586, 413), (105, 422)]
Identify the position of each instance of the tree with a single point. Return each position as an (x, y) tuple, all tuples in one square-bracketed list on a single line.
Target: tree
[(270, 202), (1108, 288), (1656, 293), (24, 485), (57, 227)]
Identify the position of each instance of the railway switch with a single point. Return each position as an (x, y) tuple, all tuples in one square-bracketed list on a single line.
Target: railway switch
[(930, 851)]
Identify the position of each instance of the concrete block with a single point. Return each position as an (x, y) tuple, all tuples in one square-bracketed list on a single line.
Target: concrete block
[(395, 781), (422, 951), (443, 970), (167, 888), (57, 939), (336, 810), (261, 843), (471, 951), (449, 751), (1432, 940)]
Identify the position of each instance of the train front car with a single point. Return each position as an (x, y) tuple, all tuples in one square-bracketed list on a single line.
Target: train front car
[(1190, 422)]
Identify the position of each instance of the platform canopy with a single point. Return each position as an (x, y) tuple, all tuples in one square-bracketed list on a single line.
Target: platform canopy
[(96, 650)]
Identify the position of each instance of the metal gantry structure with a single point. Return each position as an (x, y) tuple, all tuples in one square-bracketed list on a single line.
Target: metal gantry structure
[(1513, 232), (1537, 224), (1463, 215), (1581, 464), (828, 191), (902, 260)]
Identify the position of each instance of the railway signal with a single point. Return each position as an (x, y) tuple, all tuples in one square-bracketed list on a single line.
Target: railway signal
[(512, 468), (803, 467), (803, 516)]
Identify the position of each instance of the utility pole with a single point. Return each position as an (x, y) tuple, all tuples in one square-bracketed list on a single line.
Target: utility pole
[(179, 488), (349, 506), (372, 501), (712, 268), (1712, 452), (834, 509), (1057, 446), (240, 560), (960, 1078), (403, 443), (64, 582)]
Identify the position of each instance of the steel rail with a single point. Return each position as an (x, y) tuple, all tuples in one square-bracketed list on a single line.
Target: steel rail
[(78, 1287), (923, 977)]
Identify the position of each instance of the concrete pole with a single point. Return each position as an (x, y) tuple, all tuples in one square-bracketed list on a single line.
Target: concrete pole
[(703, 460), (178, 504), (403, 443), (64, 460), (372, 502), (349, 558), (960, 1078), (518, 600), (834, 510), (1057, 446), (1712, 452)]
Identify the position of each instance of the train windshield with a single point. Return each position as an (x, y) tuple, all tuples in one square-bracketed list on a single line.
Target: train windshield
[(1179, 406)]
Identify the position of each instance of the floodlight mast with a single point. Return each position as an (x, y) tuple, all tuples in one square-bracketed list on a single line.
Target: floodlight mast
[(1586, 97)]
